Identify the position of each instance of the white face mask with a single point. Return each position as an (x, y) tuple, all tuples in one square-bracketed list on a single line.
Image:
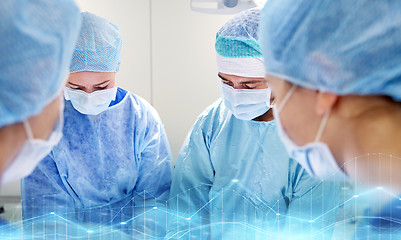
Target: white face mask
[(90, 103), (246, 104), (33, 151), (315, 157)]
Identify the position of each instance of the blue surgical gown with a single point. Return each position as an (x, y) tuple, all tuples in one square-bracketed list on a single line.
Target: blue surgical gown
[(234, 180), (9, 230), (386, 224), (105, 167)]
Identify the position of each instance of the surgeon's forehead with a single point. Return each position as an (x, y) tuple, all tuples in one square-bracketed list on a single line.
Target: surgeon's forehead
[(87, 78)]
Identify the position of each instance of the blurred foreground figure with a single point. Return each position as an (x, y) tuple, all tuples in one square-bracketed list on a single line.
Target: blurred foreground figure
[(334, 68)]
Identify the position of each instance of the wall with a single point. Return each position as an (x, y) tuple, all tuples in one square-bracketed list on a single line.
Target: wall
[(184, 72), (168, 58)]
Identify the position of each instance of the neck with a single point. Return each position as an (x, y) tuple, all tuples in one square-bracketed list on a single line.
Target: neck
[(367, 138), (266, 117), (12, 138)]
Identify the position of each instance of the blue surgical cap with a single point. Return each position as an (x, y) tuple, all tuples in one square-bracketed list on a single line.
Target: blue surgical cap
[(37, 39), (238, 38), (98, 47), (237, 46), (344, 47)]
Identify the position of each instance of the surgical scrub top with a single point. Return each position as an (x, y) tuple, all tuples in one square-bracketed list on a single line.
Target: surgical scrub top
[(104, 165), (386, 224), (234, 180)]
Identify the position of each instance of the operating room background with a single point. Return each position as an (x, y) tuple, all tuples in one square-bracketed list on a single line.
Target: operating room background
[(168, 58)]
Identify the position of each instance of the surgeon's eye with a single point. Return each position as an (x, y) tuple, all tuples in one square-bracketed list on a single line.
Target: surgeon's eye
[(102, 87), (254, 85), (76, 88), (250, 86), (228, 83)]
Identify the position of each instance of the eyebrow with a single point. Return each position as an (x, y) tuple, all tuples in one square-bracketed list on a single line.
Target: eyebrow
[(76, 85), (102, 83)]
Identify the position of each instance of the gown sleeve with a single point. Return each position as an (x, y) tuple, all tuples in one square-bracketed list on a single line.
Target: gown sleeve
[(314, 204), (192, 180), (154, 176)]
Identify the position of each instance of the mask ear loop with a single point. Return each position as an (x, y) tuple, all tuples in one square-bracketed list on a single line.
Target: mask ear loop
[(269, 102), (322, 125), (28, 130), (286, 98)]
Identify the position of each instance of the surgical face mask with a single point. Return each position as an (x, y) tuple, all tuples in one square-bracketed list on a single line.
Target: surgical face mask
[(90, 103), (315, 157), (224, 6), (246, 104), (33, 151)]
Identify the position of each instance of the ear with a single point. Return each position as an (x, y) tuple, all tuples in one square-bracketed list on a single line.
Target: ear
[(325, 101)]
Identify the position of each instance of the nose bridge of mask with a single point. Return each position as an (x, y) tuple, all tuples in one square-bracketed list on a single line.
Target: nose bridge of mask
[(245, 96)]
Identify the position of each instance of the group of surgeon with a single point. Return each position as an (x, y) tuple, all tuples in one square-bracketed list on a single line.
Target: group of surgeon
[(310, 98)]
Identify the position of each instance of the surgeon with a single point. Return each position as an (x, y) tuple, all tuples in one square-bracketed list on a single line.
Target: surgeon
[(233, 173), (114, 154), (36, 44), (334, 68)]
